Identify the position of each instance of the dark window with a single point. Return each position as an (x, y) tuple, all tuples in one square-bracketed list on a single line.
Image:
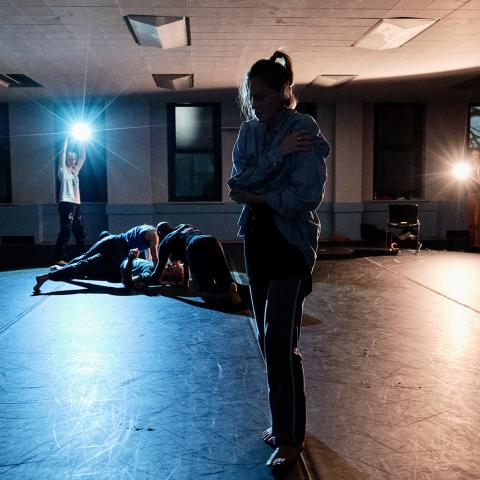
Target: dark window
[(194, 152), (93, 176), (5, 176), (474, 127), (398, 151)]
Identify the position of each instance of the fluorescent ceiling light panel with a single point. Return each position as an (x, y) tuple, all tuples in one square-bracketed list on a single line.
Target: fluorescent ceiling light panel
[(171, 81), (17, 80), (393, 32), (332, 80), (160, 32)]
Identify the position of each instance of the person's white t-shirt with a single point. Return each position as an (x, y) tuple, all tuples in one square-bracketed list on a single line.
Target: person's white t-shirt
[(69, 186)]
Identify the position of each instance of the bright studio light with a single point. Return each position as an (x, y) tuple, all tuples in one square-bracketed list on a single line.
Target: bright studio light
[(81, 131), (462, 170)]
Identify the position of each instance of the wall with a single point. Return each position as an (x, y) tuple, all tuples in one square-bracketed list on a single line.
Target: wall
[(129, 173), (231, 121), (347, 176), (159, 151), (138, 182), (133, 205), (442, 207), (32, 153)]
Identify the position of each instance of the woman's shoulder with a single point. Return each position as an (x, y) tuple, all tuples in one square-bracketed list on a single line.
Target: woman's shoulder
[(303, 120), (251, 124)]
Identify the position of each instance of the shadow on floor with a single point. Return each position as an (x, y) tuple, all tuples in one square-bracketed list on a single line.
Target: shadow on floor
[(189, 297), (328, 464), (87, 287), (244, 309)]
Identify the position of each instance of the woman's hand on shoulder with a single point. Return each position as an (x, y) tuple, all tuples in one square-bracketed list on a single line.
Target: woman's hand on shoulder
[(297, 141)]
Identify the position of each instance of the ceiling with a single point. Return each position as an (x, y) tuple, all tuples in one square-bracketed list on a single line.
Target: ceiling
[(84, 47)]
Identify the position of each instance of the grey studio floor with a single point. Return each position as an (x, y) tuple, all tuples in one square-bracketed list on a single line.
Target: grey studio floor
[(97, 384)]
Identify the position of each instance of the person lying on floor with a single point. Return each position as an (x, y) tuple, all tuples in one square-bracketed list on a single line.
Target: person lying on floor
[(95, 267), (137, 271), (130, 271), (102, 261), (202, 255)]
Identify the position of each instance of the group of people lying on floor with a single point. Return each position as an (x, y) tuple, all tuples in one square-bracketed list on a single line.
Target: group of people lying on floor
[(176, 253)]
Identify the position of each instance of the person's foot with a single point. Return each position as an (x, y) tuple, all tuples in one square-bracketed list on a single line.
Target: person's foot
[(236, 299), (41, 279), (267, 437), (54, 268), (285, 456)]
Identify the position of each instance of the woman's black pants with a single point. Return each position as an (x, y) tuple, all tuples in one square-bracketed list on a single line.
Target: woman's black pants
[(278, 308), (71, 220)]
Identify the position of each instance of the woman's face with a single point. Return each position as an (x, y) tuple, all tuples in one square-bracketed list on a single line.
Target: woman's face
[(71, 160), (267, 103)]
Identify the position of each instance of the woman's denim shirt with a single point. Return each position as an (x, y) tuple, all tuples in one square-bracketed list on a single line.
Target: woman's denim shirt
[(293, 184)]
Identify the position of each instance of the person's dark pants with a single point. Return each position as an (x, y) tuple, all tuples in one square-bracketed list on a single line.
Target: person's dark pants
[(279, 281), (96, 267), (100, 262), (209, 268), (71, 220), (278, 308), (112, 247)]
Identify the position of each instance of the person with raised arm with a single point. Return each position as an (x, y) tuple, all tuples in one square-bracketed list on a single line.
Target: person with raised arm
[(69, 210)]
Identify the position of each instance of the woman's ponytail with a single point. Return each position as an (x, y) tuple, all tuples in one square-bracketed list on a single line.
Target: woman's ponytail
[(277, 74)]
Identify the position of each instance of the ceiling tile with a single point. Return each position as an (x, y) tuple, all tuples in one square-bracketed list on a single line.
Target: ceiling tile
[(413, 4), (26, 3), (62, 40), (222, 3)]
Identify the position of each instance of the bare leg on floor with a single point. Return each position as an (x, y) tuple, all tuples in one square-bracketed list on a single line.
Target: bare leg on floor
[(41, 279)]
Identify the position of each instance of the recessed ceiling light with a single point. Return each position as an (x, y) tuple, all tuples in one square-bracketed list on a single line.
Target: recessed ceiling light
[(393, 32), (17, 80), (161, 32), (171, 81), (332, 80)]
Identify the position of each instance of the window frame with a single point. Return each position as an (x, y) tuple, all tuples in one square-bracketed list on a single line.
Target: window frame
[(7, 161), (216, 150), (418, 148), (467, 133)]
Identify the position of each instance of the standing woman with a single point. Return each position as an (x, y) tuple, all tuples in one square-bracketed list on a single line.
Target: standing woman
[(278, 175), (69, 201)]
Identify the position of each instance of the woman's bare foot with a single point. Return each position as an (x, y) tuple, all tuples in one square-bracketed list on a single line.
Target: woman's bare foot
[(285, 456), (41, 279), (267, 437)]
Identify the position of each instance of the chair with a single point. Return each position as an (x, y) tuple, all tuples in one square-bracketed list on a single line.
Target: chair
[(404, 216)]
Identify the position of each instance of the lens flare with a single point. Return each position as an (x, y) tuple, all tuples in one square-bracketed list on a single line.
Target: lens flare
[(462, 170), (81, 131)]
